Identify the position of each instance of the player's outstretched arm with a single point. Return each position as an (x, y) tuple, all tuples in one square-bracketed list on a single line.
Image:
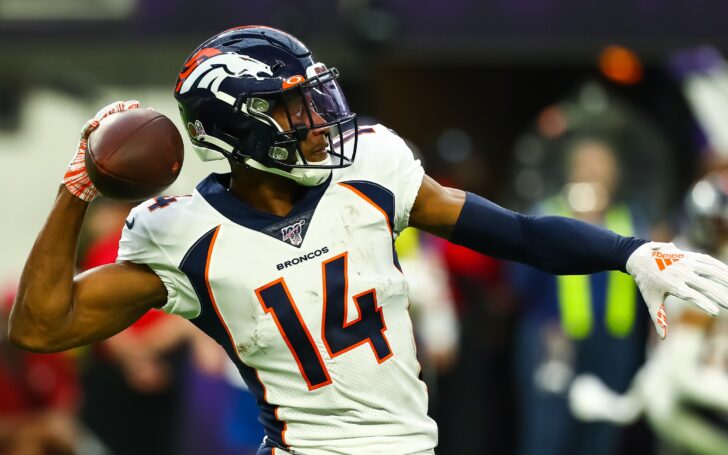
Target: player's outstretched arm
[(53, 309), (554, 244), (570, 247)]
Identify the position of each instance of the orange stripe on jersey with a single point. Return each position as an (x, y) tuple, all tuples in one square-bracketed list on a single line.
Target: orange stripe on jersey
[(209, 289), (374, 204)]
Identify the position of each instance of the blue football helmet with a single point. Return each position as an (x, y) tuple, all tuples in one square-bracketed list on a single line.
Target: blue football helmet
[(229, 87)]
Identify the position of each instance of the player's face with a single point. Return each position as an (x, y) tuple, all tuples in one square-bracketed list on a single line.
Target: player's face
[(297, 111)]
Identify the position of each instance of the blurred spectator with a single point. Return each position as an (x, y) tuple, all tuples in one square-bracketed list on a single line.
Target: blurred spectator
[(577, 324), (38, 398), (690, 367), (431, 303), (220, 414), (649, 176), (475, 396)]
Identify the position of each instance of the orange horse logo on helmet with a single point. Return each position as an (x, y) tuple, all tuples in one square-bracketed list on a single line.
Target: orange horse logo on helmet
[(209, 67)]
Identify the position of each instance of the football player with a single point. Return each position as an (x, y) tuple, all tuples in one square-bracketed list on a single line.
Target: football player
[(288, 261)]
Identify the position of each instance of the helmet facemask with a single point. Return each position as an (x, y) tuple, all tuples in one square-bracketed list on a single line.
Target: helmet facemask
[(314, 103)]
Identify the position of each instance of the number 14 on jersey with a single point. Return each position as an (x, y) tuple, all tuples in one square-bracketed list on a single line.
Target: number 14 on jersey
[(338, 335)]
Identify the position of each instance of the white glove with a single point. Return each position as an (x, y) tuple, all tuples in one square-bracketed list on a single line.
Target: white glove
[(76, 178), (590, 400), (662, 270)]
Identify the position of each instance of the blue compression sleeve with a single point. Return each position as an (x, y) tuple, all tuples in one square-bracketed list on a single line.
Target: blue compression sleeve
[(554, 244)]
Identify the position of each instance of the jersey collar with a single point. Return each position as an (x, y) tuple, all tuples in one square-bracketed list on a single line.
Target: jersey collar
[(214, 189)]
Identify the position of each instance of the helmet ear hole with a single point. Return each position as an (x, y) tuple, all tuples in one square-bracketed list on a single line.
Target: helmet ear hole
[(253, 138), (277, 66)]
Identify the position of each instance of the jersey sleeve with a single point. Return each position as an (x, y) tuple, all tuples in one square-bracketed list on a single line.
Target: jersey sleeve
[(397, 169), (139, 245), (409, 179)]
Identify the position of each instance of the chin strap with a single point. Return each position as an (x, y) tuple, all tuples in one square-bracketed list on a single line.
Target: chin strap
[(302, 176)]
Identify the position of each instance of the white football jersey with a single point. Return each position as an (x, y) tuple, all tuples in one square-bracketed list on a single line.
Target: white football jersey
[(311, 307)]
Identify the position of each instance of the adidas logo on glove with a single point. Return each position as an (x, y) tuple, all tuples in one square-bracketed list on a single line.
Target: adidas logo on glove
[(664, 260)]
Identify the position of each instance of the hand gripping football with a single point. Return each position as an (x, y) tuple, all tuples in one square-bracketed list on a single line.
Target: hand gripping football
[(134, 155)]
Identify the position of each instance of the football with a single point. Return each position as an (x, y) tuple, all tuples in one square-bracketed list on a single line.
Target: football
[(134, 155)]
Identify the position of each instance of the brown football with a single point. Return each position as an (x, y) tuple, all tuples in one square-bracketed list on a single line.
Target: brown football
[(134, 155)]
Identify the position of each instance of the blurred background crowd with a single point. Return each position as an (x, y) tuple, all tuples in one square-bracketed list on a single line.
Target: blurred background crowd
[(613, 112)]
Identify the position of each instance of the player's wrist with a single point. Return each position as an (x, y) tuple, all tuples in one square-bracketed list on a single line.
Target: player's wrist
[(66, 193), (645, 250), (76, 179)]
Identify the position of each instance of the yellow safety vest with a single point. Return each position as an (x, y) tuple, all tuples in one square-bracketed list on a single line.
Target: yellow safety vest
[(408, 243), (574, 291)]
